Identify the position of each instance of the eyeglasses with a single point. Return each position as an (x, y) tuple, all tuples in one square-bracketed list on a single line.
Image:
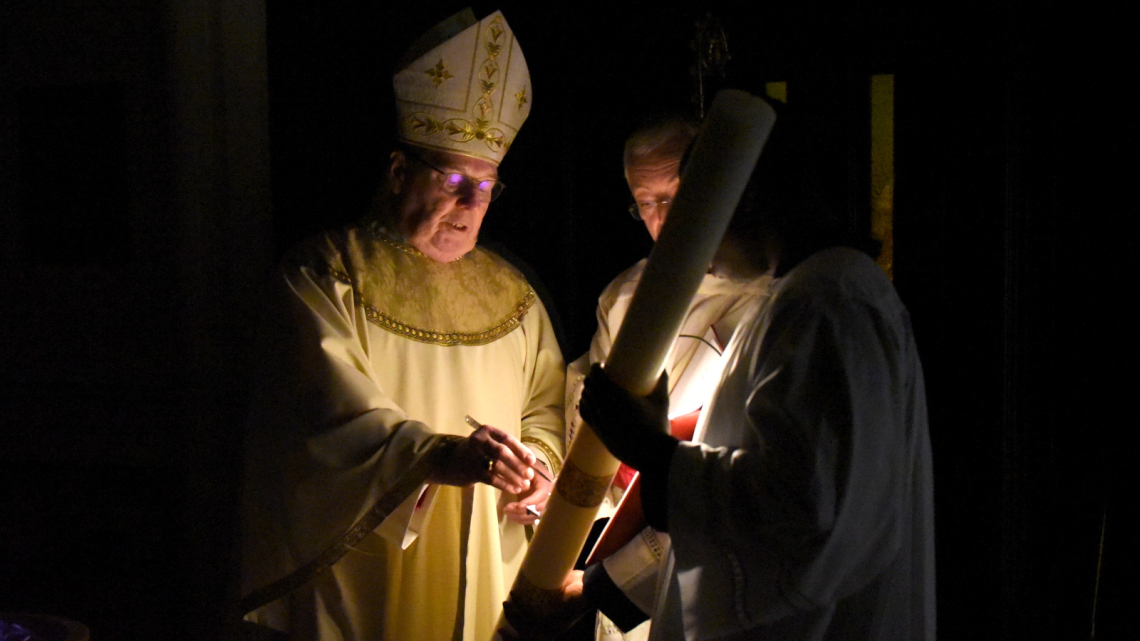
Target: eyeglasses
[(640, 209), (485, 190)]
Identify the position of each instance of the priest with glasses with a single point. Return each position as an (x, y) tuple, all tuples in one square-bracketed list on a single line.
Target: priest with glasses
[(374, 509)]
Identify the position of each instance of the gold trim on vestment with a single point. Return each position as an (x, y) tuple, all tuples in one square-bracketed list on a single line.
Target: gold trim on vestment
[(580, 488), (416, 475), (383, 235), (555, 460), (474, 300), (433, 337)]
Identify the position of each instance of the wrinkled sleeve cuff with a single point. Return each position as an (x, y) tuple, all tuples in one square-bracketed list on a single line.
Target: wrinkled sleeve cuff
[(634, 567), (403, 525)]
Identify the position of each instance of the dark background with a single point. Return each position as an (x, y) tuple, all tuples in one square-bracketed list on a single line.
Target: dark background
[(155, 158)]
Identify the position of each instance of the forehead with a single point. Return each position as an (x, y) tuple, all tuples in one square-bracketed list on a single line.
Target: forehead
[(654, 171), (466, 165)]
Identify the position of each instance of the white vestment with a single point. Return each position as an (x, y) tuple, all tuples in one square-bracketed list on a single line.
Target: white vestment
[(379, 355), (694, 367), (805, 511)]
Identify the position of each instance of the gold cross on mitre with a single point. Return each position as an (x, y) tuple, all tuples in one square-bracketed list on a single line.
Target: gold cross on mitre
[(438, 74)]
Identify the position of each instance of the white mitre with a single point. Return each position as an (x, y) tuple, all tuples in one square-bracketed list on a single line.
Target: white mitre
[(463, 87)]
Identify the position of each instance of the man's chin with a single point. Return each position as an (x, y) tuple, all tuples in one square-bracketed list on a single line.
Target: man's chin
[(446, 250)]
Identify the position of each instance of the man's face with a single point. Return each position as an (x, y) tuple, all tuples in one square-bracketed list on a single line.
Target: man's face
[(653, 181), (441, 222)]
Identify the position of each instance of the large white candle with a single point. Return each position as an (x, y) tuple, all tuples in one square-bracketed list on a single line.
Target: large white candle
[(725, 152)]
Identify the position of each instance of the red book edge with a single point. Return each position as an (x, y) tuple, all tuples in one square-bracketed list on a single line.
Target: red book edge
[(629, 519)]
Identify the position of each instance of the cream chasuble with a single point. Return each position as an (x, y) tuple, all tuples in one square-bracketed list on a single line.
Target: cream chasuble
[(382, 354)]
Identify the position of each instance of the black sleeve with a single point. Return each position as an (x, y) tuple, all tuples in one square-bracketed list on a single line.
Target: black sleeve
[(655, 488), (602, 593)]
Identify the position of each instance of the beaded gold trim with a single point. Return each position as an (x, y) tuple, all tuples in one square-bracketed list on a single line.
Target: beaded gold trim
[(381, 233), (555, 459), (580, 488), (416, 475), (336, 274), (448, 339), (426, 335)]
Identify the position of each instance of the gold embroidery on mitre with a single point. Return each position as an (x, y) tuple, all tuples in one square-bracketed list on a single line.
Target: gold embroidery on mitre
[(458, 129), (475, 300), (580, 488), (480, 127), (490, 67), (478, 111), (438, 73)]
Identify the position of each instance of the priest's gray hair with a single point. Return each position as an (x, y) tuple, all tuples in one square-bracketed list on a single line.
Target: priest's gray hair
[(659, 135)]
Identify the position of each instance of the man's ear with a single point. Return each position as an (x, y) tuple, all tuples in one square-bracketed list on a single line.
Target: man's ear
[(397, 171)]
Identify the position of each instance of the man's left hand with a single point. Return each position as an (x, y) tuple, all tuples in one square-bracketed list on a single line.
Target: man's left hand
[(537, 496)]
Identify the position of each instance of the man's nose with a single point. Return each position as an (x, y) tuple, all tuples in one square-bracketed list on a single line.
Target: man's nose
[(467, 195)]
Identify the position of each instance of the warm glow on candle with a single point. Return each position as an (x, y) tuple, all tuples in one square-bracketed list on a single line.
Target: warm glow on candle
[(725, 152)]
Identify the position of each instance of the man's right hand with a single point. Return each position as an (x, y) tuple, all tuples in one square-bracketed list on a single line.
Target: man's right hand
[(489, 456)]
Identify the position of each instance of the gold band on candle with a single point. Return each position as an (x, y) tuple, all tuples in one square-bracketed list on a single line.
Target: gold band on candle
[(528, 594), (581, 489)]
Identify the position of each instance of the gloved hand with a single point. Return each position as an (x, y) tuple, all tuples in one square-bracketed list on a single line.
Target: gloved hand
[(634, 429), (548, 617)]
